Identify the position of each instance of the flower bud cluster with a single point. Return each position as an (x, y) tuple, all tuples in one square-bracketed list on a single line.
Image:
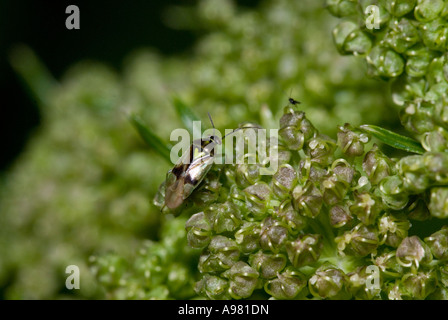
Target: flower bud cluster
[(310, 230), (154, 273), (406, 41)]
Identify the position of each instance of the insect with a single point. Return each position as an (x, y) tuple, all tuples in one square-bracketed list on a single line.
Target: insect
[(292, 100), (191, 169)]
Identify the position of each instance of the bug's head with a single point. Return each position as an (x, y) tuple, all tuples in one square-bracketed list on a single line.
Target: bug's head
[(215, 139)]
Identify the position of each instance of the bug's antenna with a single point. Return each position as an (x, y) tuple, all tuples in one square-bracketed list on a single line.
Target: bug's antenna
[(231, 132), (210, 117), (213, 125)]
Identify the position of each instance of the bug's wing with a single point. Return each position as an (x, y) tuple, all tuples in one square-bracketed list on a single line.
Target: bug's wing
[(175, 180), (196, 172), (174, 191), (180, 186)]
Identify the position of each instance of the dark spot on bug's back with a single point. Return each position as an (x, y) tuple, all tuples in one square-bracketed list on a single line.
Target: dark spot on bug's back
[(190, 180), (178, 170)]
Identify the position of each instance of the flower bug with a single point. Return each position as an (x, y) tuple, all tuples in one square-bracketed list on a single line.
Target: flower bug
[(292, 100), (191, 169)]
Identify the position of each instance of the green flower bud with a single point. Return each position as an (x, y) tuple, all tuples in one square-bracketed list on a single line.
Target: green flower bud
[(389, 265), (328, 283), (415, 177), (438, 204), (307, 200), (340, 216), (257, 197), (343, 170), (287, 285), (268, 265), (295, 129), (248, 237), (291, 218), (284, 180), (321, 149), (377, 165), (366, 207), (436, 165), (402, 35), (434, 34), (413, 251), (341, 8), (366, 10), (418, 59), (213, 287), (351, 142), (417, 116), (242, 280), (392, 192), (427, 10), (221, 255), (224, 217), (360, 284), (384, 63), (436, 92), (334, 190), (199, 231), (393, 229), (247, 174), (309, 171), (420, 285), (350, 39), (360, 241), (438, 243), (435, 141), (273, 235), (436, 71), (399, 8), (304, 250)]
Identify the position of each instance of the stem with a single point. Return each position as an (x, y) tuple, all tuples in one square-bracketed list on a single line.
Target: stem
[(321, 225)]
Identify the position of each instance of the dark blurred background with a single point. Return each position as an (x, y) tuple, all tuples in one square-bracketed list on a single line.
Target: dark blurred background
[(109, 31)]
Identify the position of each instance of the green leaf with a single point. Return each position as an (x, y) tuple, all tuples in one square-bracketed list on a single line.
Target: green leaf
[(152, 140), (393, 139), (33, 72), (186, 115)]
